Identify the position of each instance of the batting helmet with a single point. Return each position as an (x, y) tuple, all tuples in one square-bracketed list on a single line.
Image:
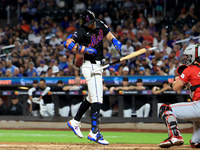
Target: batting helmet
[(87, 18), (193, 53)]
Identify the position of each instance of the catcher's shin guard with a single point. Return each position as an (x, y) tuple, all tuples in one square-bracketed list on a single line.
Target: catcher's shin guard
[(169, 120)]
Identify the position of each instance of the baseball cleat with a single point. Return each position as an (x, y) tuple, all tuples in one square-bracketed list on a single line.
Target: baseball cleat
[(172, 141), (98, 137), (75, 126), (194, 145)]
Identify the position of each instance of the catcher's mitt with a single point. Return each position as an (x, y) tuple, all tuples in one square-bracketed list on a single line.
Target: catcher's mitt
[(180, 69)]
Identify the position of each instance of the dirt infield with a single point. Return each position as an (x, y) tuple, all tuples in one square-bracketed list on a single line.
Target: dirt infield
[(92, 146)]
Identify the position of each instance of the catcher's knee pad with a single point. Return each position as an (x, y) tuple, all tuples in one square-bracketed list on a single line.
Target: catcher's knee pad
[(163, 108)]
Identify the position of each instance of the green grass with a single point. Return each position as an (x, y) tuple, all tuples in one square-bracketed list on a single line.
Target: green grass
[(70, 137)]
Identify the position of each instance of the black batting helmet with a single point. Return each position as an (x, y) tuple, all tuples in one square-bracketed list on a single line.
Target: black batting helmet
[(87, 18)]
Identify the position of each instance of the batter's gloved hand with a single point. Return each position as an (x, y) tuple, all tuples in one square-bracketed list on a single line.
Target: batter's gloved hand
[(117, 44), (90, 50), (180, 69)]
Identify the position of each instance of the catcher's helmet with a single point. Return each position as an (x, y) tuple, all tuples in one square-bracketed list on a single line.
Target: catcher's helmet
[(87, 18), (193, 53)]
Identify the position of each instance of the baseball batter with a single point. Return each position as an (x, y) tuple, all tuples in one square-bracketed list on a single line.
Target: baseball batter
[(187, 110), (88, 39)]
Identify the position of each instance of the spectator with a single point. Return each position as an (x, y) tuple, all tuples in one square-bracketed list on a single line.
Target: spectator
[(15, 108), (115, 66), (177, 62), (127, 49), (3, 108), (8, 73), (191, 14), (15, 60), (32, 71), (2, 70), (183, 14), (166, 48), (42, 67), (80, 6), (63, 62), (36, 38), (16, 73), (125, 71), (62, 49), (54, 41), (23, 71), (106, 54), (25, 27), (141, 71), (112, 72), (49, 72), (55, 71), (107, 19), (10, 66), (172, 68), (144, 63), (65, 22)]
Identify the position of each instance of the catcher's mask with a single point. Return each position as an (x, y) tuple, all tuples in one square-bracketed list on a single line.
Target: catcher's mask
[(193, 54)]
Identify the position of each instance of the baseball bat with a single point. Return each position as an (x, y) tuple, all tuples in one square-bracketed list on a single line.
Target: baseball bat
[(137, 53)]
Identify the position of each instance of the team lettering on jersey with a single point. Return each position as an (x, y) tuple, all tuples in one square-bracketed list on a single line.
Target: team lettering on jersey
[(94, 40)]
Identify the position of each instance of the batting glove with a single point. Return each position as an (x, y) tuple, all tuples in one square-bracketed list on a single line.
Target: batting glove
[(117, 44), (88, 50)]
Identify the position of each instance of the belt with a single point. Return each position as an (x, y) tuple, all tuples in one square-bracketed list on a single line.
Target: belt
[(93, 61)]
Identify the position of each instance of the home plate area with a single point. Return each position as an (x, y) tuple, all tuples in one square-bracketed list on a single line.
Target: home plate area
[(69, 146)]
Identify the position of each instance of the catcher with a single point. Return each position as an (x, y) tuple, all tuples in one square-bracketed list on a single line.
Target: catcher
[(189, 111)]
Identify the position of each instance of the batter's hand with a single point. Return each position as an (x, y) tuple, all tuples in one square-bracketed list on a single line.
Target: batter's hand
[(117, 44), (90, 50)]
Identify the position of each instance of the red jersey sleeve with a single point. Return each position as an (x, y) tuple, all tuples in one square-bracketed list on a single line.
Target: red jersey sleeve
[(185, 75)]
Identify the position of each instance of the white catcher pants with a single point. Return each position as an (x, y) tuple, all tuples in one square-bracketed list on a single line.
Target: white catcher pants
[(94, 81), (189, 111)]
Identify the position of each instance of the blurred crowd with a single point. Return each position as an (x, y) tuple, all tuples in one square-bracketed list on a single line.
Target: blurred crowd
[(36, 40)]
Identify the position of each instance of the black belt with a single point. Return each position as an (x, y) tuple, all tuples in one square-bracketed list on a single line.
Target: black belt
[(91, 61)]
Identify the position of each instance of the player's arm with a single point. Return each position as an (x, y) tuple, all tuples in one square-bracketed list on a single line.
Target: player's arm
[(140, 88), (131, 87), (30, 92), (46, 90), (110, 37), (161, 90), (105, 88), (178, 84), (112, 89), (70, 44), (66, 88), (123, 88)]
